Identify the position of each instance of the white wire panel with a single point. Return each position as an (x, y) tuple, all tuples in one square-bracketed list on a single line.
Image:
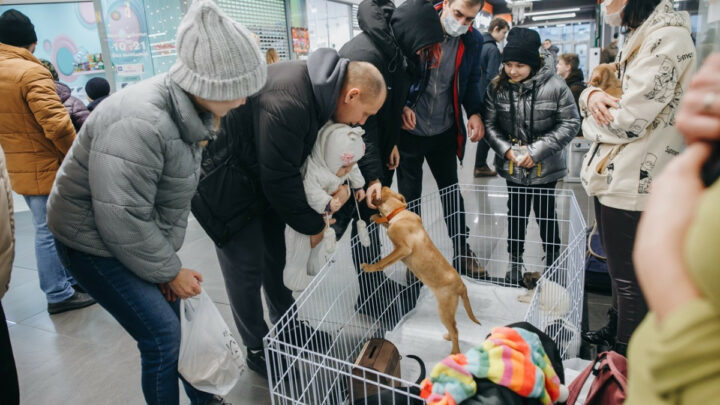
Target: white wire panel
[(311, 351)]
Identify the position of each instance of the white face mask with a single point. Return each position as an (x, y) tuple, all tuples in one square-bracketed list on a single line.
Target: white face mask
[(453, 27), (615, 19)]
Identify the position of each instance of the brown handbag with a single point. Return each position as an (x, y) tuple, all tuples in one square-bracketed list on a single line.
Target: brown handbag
[(379, 355)]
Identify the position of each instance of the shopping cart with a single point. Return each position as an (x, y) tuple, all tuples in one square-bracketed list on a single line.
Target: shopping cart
[(311, 352)]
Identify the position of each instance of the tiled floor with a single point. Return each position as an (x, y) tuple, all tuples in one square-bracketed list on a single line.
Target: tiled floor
[(85, 357)]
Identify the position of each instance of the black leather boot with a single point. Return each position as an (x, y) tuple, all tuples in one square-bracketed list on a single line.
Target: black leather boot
[(604, 336), (514, 276), (620, 348)]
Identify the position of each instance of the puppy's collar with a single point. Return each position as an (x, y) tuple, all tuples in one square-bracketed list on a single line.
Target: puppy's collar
[(384, 220)]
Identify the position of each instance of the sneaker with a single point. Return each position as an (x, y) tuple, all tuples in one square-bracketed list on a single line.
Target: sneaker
[(484, 171), (78, 288), (255, 361), (76, 301)]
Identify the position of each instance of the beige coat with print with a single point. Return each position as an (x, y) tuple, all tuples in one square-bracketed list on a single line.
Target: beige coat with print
[(656, 64), (7, 227)]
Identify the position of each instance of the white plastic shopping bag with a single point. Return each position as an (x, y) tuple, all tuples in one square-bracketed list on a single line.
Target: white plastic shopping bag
[(210, 358)]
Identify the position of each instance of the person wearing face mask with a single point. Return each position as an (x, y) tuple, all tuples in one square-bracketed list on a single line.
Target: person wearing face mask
[(635, 138), (433, 127)]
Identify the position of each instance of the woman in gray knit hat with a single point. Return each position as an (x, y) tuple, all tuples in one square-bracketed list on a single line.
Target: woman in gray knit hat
[(120, 204)]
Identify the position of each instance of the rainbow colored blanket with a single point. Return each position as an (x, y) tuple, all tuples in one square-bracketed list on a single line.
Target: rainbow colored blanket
[(511, 357)]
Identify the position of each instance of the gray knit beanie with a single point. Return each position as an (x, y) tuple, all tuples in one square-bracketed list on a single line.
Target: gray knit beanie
[(218, 58)]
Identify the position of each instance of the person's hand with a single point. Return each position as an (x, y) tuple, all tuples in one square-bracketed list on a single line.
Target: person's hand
[(317, 238), (698, 117), (509, 155), (408, 119), (335, 205), (359, 195), (526, 162), (374, 192), (186, 284), (475, 128), (599, 104), (342, 194), (394, 160), (167, 292), (660, 240)]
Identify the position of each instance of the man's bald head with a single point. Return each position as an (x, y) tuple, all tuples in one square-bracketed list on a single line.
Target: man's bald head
[(366, 77), (362, 94)]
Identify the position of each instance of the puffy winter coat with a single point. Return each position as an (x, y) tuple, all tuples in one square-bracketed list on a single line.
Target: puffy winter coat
[(275, 132), (76, 108), (35, 128), (656, 66), (390, 39), (124, 189), (540, 113), (318, 180), (467, 83), (7, 227)]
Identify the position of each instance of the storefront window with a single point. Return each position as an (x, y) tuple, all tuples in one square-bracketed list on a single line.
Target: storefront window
[(330, 24), (570, 38), (73, 47)]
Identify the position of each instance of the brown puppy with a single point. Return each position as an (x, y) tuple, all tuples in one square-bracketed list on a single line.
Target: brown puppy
[(605, 77), (414, 247)]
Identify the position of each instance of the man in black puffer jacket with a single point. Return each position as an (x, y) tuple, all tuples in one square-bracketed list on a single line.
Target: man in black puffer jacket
[(252, 187), (390, 40)]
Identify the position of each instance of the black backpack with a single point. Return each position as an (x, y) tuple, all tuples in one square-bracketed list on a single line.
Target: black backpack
[(229, 194)]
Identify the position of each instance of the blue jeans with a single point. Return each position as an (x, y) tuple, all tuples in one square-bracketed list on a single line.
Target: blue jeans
[(142, 310), (55, 281)]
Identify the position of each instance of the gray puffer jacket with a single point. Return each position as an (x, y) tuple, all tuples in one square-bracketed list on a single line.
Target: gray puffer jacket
[(540, 113), (124, 189)]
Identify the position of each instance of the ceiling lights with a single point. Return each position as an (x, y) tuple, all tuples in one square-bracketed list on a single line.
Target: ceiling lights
[(553, 16), (566, 10)]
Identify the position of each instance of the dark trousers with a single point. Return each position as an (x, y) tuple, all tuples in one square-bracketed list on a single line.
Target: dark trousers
[(439, 151), (617, 231), (541, 199), (481, 155), (145, 314), (10, 393), (255, 258)]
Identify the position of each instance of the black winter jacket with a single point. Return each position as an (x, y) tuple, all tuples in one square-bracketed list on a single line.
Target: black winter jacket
[(576, 83), (274, 132), (490, 60), (390, 39), (540, 113)]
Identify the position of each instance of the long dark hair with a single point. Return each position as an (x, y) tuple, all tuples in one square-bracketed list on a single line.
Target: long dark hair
[(637, 11)]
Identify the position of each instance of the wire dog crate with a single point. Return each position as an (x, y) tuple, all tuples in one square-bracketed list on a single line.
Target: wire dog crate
[(311, 352)]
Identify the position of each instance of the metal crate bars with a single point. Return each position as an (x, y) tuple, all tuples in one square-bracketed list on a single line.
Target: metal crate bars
[(311, 351)]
